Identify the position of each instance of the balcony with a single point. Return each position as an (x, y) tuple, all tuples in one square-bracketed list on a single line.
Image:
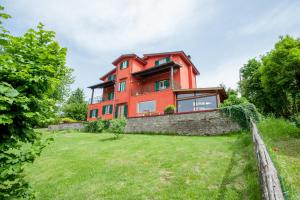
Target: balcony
[(151, 88), (98, 99)]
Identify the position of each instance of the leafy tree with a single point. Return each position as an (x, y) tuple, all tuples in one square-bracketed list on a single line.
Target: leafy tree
[(76, 107), (233, 99), (273, 82), (33, 74)]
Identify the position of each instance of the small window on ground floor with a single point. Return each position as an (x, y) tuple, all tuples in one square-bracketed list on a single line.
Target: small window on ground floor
[(93, 113), (107, 109), (146, 106)]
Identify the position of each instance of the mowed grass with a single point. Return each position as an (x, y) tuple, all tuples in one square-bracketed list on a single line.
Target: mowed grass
[(97, 166), (283, 141)]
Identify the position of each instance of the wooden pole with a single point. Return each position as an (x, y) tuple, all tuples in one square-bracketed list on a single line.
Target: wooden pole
[(92, 96), (172, 74)]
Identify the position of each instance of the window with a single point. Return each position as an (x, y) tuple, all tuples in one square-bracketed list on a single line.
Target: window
[(107, 109), (93, 113), (160, 85), (162, 61), (124, 64), (122, 86), (112, 77), (146, 106), (110, 96), (203, 103)]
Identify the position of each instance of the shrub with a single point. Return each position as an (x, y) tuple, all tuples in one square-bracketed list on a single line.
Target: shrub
[(278, 128), (68, 120), (296, 119), (170, 109), (117, 126), (95, 126), (242, 114)]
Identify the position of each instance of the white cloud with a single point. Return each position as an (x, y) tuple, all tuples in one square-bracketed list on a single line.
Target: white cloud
[(108, 25), (226, 73), (280, 18)]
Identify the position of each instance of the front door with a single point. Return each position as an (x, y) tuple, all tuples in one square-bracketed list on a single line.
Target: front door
[(121, 111)]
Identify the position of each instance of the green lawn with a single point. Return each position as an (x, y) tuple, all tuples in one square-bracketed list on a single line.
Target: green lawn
[(95, 166), (283, 141)]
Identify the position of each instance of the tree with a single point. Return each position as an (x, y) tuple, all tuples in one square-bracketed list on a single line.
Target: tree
[(33, 76), (233, 99), (76, 107), (273, 82)]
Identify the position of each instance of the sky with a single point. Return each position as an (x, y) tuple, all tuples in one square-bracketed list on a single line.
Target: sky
[(220, 36)]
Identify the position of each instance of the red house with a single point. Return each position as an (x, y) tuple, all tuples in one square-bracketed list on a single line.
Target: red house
[(145, 86)]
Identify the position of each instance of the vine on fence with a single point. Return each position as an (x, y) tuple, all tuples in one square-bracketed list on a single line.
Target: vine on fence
[(242, 114)]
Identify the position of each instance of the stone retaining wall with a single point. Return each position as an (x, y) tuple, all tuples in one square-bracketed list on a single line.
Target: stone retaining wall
[(196, 123), (77, 125)]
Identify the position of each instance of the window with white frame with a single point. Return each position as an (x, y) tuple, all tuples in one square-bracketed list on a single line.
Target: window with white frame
[(124, 64), (162, 61), (122, 86), (146, 106), (160, 85)]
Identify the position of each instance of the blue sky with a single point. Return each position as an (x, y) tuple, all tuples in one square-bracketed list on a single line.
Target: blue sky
[(219, 35)]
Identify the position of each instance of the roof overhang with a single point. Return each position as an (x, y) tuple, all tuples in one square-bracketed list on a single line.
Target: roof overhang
[(102, 85), (140, 60), (180, 53), (220, 90), (156, 70)]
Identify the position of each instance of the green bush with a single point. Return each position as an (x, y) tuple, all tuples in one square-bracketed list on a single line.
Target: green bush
[(96, 126), (170, 109), (242, 114), (278, 128), (68, 120), (117, 126), (296, 120)]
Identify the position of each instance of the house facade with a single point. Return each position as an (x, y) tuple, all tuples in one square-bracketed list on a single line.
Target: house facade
[(143, 86)]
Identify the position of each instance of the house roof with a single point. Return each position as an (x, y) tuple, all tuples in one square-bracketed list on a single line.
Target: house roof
[(115, 62), (180, 53), (208, 89), (107, 74), (156, 70), (102, 85)]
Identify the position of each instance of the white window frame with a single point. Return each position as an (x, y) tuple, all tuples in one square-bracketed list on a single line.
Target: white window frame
[(138, 106), (120, 88), (94, 113), (107, 108), (162, 84), (124, 64)]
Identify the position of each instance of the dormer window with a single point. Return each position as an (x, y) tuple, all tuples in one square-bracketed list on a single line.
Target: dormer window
[(124, 64), (162, 61)]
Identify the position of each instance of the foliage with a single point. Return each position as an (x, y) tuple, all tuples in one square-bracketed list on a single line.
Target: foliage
[(76, 107), (170, 109), (68, 120), (233, 99), (273, 82), (117, 126), (279, 128), (33, 78), (13, 155), (296, 119), (242, 113), (96, 126)]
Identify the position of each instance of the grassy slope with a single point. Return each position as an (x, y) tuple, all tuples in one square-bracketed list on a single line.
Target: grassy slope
[(283, 141), (94, 166)]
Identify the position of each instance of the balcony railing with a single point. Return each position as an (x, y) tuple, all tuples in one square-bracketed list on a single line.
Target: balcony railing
[(151, 88), (98, 99)]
